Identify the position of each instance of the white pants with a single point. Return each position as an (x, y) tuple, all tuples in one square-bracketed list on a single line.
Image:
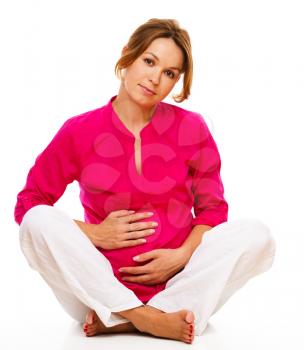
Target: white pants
[(82, 278)]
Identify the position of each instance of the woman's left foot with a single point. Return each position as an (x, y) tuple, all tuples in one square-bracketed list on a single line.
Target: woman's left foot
[(94, 326)]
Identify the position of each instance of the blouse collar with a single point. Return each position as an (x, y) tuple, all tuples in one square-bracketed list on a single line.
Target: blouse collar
[(163, 117)]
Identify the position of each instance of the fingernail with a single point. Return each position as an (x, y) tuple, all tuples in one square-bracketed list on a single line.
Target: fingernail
[(136, 258)]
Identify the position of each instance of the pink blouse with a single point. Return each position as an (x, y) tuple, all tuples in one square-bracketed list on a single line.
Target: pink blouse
[(180, 171)]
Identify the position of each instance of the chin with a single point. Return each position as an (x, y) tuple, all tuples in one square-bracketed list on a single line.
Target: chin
[(146, 101)]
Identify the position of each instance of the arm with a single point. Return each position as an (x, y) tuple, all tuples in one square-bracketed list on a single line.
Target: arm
[(88, 229), (53, 170), (166, 262), (210, 206), (192, 241)]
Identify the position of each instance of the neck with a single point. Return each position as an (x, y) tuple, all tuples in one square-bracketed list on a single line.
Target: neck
[(130, 112)]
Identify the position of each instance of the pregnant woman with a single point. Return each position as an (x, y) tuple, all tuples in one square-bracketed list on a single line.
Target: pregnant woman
[(140, 261)]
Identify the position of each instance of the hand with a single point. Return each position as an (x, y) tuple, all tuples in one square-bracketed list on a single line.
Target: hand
[(165, 264), (119, 230)]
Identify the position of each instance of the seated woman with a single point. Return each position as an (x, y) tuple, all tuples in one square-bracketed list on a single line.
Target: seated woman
[(140, 261)]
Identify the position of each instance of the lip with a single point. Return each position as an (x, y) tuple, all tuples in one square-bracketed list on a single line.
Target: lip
[(145, 89)]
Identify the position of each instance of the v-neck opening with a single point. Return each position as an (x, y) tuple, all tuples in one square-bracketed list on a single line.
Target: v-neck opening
[(119, 124)]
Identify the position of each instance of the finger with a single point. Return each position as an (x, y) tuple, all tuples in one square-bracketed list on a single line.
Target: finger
[(139, 225), (132, 242), (146, 256), (138, 216), (145, 279), (122, 213), (138, 270), (137, 234)]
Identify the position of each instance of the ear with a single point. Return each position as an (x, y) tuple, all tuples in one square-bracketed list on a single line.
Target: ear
[(124, 49)]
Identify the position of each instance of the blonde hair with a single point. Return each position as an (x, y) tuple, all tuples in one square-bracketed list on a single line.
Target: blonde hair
[(143, 36)]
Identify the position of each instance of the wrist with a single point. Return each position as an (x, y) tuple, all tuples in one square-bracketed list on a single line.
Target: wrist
[(88, 229), (184, 255)]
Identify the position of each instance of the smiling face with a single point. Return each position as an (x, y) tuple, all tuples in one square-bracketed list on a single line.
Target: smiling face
[(157, 69)]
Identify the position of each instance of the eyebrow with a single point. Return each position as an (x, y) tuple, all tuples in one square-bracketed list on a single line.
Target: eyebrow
[(151, 53)]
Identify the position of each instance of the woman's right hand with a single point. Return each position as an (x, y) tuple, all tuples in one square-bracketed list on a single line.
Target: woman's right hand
[(120, 229)]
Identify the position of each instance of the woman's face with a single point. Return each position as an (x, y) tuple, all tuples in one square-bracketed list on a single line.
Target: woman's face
[(157, 69)]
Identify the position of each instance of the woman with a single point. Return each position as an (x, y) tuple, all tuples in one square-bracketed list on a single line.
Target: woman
[(138, 262)]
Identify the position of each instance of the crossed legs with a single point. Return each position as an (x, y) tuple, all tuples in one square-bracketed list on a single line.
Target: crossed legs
[(83, 282)]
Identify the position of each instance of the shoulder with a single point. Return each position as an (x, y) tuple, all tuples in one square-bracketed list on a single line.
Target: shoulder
[(190, 124), (83, 121), (79, 130), (184, 115)]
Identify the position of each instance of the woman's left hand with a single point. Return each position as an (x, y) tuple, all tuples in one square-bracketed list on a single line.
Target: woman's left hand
[(165, 263)]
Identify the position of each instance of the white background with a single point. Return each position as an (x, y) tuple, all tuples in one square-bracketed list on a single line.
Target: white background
[(57, 61)]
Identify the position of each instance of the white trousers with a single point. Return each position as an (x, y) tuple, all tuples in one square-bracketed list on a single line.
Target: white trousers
[(82, 278)]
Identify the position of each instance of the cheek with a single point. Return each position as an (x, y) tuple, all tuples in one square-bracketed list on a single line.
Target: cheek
[(135, 76), (168, 85)]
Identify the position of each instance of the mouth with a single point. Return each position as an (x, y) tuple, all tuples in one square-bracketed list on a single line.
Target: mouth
[(151, 92)]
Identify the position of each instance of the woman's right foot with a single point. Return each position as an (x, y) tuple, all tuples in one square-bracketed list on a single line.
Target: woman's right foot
[(95, 326)]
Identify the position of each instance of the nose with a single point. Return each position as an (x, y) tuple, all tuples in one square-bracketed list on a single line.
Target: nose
[(155, 76)]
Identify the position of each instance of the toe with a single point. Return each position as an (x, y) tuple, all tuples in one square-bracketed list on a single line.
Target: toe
[(188, 337), (91, 331), (89, 317), (191, 327), (85, 326), (190, 317), (91, 327), (190, 330)]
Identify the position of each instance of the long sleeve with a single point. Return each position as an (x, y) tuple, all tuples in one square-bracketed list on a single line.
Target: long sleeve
[(52, 171), (210, 206)]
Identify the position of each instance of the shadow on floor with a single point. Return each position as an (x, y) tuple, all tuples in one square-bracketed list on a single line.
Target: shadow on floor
[(76, 340)]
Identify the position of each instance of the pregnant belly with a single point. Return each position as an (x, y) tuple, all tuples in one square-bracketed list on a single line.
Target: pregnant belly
[(123, 257)]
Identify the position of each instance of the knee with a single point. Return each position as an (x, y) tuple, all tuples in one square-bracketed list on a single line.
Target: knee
[(34, 219), (35, 213), (258, 236)]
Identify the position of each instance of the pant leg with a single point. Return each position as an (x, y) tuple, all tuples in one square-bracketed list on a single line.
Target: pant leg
[(79, 275), (228, 256)]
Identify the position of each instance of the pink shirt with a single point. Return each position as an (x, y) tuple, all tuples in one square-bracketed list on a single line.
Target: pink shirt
[(180, 170)]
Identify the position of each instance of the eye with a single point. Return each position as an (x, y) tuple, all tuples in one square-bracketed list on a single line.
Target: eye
[(148, 59), (172, 74)]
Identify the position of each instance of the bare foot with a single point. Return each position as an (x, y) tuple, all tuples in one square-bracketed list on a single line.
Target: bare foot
[(176, 325), (94, 326), (152, 308)]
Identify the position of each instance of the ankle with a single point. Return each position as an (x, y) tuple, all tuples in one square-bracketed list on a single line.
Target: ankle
[(130, 314)]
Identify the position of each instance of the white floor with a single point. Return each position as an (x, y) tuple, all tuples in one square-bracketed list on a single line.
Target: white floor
[(264, 314)]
